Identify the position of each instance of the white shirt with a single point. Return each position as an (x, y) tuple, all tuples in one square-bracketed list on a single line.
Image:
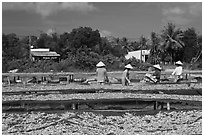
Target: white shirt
[(177, 71), (101, 74)]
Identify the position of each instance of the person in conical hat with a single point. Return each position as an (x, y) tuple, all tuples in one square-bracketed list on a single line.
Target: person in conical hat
[(157, 67), (101, 73), (155, 77), (100, 64), (177, 73), (128, 66), (125, 76), (179, 63), (157, 73)]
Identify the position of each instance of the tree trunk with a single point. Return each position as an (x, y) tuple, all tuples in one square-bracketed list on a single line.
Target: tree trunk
[(172, 57)]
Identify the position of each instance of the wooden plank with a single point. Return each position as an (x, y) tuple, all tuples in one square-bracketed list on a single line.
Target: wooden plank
[(91, 73)]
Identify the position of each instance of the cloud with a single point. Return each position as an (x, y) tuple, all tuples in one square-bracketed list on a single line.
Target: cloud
[(176, 19), (181, 13), (175, 15), (195, 9), (105, 33), (47, 8), (174, 10), (51, 31)]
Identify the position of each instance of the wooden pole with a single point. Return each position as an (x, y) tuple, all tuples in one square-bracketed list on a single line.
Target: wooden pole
[(155, 105), (168, 106)]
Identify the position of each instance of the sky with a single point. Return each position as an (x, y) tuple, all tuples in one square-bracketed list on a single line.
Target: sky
[(118, 19)]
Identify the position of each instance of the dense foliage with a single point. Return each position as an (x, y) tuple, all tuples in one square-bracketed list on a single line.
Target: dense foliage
[(82, 48)]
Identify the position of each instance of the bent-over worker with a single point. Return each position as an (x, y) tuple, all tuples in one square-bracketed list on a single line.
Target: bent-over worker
[(101, 73), (125, 75), (155, 77), (177, 73)]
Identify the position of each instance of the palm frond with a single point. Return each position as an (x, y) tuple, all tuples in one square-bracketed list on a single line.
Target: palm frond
[(167, 45)]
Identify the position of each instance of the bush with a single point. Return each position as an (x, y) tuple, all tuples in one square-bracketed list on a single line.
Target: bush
[(196, 66), (63, 65), (137, 64), (82, 62), (112, 62), (17, 64)]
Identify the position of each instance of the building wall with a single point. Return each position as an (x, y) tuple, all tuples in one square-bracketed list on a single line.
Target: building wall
[(136, 54), (139, 54), (45, 58)]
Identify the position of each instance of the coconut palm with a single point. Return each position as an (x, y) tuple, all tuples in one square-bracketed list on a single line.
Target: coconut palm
[(172, 40), (155, 48), (143, 42), (199, 50), (126, 46)]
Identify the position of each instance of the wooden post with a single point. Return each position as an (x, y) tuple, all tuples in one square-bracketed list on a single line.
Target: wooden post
[(168, 106), (68, 79), (186, 76), (71, 77), (14, 79), (24, 83), (30, 55), (162, 105), (73, 106), (155, 105), (44, 78), (141, 57), (8, 80)]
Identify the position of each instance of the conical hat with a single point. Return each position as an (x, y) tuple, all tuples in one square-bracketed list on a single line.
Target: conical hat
[(129, 66), (179, 63), (157, 66), (100, 64)]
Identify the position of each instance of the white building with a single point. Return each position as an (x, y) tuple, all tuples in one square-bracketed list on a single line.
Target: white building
[(139, 54), (39, 54)]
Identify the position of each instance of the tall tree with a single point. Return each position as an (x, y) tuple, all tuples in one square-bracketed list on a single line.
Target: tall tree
[(172, 41), (83, 38), (104, 47), (190, 40), (10, 46), (126, 47), (143, 42), (134, 45), (199, 48), (155, 52), (63, 45)]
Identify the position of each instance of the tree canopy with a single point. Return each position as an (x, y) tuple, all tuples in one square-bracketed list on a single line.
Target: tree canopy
[(83, 47)]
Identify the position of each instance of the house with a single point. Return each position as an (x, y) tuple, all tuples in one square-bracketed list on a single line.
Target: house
[(141, 55), (43, 54)]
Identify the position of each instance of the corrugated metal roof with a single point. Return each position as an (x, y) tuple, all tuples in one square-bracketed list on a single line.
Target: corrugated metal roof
[(40, 49), (44, 54)]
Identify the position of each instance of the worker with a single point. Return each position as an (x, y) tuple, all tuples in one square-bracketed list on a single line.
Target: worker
[(101, 73), (177, 73), (125, 75), (155, 77)]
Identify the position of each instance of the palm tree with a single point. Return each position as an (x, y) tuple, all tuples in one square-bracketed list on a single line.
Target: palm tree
[(134, 45), (155, 48), (143, 43), (172, 40), (126, 46), (199, 50)]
